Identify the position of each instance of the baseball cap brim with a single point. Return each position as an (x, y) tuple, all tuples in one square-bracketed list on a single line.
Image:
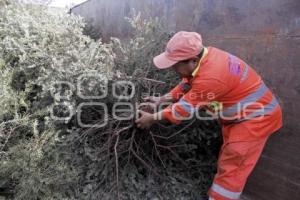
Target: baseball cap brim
[(163, 62)]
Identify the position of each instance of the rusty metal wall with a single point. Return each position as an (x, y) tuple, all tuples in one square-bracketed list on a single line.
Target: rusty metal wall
[(266, 34)]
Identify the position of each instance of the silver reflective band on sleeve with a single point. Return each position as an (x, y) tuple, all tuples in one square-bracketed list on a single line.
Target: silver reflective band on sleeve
[(187, 107), (267, 109), (225, 193), (245, 72), (252, 98)]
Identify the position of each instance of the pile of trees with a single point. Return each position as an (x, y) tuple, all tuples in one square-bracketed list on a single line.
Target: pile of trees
[(59, 137)]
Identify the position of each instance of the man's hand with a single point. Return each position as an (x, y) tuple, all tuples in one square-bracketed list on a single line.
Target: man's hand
[(153, 99), (146, 120), (159, 100)]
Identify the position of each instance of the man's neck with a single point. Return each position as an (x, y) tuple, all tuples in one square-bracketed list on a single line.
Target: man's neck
[(201, 56)]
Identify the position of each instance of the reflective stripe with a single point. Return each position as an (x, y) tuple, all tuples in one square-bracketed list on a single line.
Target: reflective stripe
[(234, 65), (267, 109), (226, 193), (177, 114), (185, 86), (187, 107), (245, 72), (252, 98)]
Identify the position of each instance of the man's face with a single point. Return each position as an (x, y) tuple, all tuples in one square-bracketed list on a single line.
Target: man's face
[(185, 68)]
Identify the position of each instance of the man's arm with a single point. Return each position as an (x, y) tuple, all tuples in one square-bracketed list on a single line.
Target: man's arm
[(167, 98), (173, 96), (201, 94), (147, 119), (179, 90)]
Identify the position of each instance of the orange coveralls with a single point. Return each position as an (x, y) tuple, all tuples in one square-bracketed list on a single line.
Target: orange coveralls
[(249, 114)]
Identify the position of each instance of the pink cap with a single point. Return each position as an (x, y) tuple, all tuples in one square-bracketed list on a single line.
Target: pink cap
[(182, 46)]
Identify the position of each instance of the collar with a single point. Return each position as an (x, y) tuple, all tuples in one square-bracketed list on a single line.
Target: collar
[(203, 56)]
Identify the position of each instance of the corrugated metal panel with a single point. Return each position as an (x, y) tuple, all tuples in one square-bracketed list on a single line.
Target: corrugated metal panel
[(264, 33)]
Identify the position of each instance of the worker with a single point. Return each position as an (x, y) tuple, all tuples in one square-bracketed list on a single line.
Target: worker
[(227, 86)]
